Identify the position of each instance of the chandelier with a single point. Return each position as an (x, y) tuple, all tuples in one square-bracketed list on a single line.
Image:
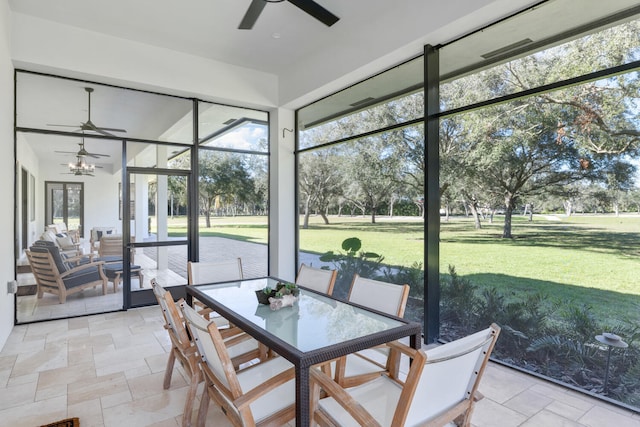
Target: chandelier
[(80, 167)]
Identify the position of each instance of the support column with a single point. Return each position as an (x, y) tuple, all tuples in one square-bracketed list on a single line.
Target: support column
[(161, 207), (282, 200)]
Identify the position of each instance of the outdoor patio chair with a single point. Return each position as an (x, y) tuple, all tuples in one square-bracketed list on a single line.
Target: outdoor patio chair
[(366, 365), (54, 275), (213, 272), (317, 279), (183, 349), (262, 394), (440, 387), (96, 234)]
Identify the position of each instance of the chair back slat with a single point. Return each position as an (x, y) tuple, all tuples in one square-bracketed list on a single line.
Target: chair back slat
[(318, 279), (213, 272), (54, 251), (382, 296), (171, 314), (213, 351), (451, 375)]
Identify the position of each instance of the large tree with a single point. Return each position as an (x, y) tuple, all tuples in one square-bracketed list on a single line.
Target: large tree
[(320, 180), (223, 179)]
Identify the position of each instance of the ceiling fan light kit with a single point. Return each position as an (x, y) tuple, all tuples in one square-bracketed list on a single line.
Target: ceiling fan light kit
[(81, 167), (308, 6)]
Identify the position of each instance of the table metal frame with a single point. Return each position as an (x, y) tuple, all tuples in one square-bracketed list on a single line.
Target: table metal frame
[(304, 360)]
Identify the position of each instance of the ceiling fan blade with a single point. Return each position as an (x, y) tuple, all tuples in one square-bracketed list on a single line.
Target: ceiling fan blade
[(89, 126), (315, 10), (111, 129), (252, 14), (63, 126)]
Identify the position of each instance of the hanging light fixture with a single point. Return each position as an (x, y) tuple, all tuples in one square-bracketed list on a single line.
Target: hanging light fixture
[(80, 167)]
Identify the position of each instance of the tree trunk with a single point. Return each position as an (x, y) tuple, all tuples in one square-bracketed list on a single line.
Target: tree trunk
[(305, 223), (508, 213), (324, 218), (568, 207), (473, 206)]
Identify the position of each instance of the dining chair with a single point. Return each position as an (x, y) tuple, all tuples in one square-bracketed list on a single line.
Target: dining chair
[(182, 348), (441, 386), (366, 365), (260, 395), (213, 272), (185, 351), (317, 279)]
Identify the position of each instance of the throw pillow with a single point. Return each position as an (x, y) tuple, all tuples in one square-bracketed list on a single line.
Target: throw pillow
[(65, 242)]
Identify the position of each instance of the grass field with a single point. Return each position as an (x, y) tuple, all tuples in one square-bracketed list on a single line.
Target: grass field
[(584, 259)]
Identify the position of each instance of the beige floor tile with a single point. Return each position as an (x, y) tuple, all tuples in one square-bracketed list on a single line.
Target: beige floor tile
[(600, 417), (566, 410), (88, 341), (116, 399), (158, 362), (108, 369), (491, 414), (66, 375), (89, 412), (528, 402), (7, 362), (23, 379), (147, 411), (561, 395), (90, 388), (168, 423), (4, 377), (550, 419), (501, 384), (55, 356), (57, 390), (79, 357), (151, 385), (35, 413), (17, 396)]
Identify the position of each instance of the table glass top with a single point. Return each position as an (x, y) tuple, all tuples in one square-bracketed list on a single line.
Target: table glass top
[(314, 321)]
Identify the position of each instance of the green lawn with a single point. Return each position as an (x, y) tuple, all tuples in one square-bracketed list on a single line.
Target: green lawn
[(585, 259)]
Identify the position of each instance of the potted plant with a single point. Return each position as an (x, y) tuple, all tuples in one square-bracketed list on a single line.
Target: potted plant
[(281, 290)]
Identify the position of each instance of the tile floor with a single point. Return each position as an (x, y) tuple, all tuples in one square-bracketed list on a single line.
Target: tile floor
[(108, 369)]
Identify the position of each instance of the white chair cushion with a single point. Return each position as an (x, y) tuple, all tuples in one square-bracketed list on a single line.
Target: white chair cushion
[(379, 397), (279, 398)]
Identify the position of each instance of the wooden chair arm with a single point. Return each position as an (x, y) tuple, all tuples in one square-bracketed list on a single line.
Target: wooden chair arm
[(82, 267), (402, 348), (262, 389), (344, 399), (237, 339)]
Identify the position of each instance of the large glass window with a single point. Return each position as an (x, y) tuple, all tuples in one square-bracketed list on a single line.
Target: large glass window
[(539, 205), (78, 131), (361, 184)]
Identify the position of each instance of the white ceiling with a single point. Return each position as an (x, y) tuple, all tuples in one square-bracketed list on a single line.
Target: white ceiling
[(208, 28), (370, 36)]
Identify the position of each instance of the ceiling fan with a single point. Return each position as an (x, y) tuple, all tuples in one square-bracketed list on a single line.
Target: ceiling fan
[(88, 125), (309, 6), (83, 152)]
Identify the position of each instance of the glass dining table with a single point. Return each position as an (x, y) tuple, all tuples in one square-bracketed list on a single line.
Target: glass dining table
[(316, 329)]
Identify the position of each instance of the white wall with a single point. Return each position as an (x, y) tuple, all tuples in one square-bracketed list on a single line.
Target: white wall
[(7, 265), (282, 209), (27, 159), (46, 46)]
